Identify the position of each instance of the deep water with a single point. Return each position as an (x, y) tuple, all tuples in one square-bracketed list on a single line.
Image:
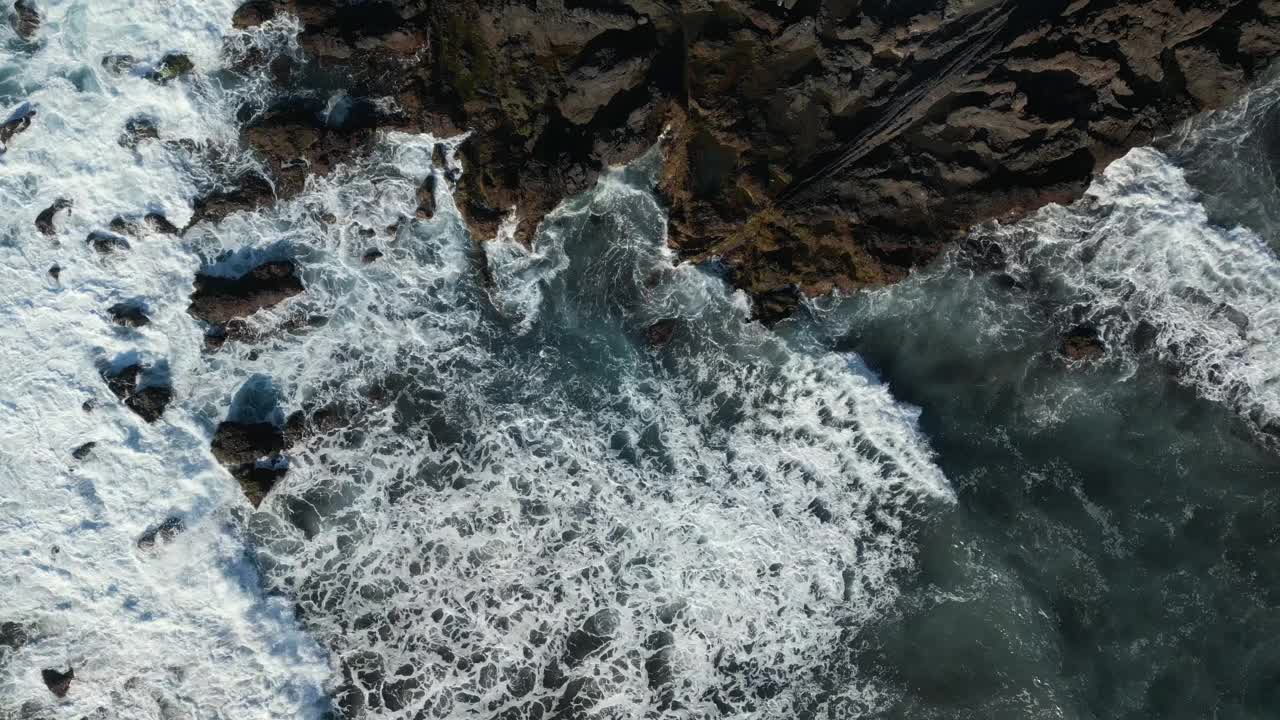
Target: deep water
[(1114, 551)]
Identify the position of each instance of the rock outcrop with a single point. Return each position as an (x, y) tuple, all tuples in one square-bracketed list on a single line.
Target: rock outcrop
[(812, 146), (146, 396), (58, 682), (251, 452), (223, 302)]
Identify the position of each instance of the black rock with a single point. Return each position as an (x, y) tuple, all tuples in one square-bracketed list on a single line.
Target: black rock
[(58, 682), (26, 21), (370, 255), (83, 451), (661, 332), (171, 66), (165, 532), (218, 300), (107, 242), (13, 635), (55, 271), (44, 221), (128, 314), (137, 129), (148, 401), (119, 64), (19, 120)]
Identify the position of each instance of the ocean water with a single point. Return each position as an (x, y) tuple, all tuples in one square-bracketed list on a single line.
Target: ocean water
[(574, 481)]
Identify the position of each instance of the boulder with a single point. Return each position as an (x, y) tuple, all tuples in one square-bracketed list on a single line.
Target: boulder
[(148, 400), (251, 452), (58, 682), (83, 451), (129, 314), (172, 65), (44, 221), (1082, 344), (26, 19), (107, 243), (220, 300)]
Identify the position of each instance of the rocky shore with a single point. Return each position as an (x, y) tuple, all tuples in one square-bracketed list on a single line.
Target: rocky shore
[(812, 145)]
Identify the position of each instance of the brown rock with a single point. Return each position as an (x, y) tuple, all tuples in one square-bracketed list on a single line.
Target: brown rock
[(813, 145), (220, 300), (26, 19), (251, 451)]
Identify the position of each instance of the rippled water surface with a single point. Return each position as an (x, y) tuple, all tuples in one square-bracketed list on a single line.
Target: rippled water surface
[(582, 484)]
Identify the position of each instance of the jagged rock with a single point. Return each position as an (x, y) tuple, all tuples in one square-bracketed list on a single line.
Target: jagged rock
[(248, 191), (1082, 344), (137, 129), (660, 333), (172, 65), (159, 223), (220, 300), (13, 635), (120, 226), (26, 19), (83, 451), (147, 400), (251, 451), (55, 271), (813, 146), (107, 242), (58, 682), (427, 198), (44, 221), (128, 314), (370, 255), (165, 532), (17, 122)]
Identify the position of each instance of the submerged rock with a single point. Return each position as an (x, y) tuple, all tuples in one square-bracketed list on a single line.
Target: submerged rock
[(370, 255), (247, 192), (220, 300), (661, 332), (1082, 344), (147, 400), (107, 242), (163, 533), (55, 271), (172, 65), (58, 682), (137, 129), (119, 63), (159, 223), (83, 451), (128, 314), (44, 221)]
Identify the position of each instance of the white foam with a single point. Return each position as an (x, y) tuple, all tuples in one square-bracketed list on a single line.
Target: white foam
[(183, 630), (1140, 256), (481, 438)]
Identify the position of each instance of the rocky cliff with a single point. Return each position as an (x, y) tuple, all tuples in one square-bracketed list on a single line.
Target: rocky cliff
[(813, 144)]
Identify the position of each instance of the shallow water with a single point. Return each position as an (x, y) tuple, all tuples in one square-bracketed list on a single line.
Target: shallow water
[(586, 486)]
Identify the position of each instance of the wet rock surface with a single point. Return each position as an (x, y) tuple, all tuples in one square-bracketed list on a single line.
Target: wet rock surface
[(220, 301), (251, 451), (129, 314), (148, 397), (58, 682), (1082, 344), (45, 220), (26, 19), (813, 146)]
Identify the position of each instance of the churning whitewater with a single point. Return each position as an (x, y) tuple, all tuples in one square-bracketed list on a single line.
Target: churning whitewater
[(570, 480), (583, 486)]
